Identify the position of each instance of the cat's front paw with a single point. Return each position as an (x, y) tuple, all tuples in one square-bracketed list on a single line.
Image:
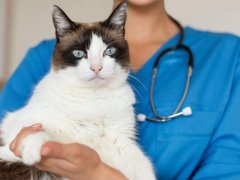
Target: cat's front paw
[(31, 147)]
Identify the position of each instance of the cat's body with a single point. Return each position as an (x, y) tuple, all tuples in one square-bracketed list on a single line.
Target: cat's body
[(102, 119), (97, 112)]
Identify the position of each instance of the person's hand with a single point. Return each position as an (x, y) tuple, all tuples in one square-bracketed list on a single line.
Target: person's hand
[(72, 161)]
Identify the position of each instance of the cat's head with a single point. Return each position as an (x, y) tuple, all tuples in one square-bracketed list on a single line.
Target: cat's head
[(92, 53)]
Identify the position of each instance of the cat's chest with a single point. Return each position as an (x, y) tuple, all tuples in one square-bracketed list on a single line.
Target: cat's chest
[(96, 114), (87, 105)]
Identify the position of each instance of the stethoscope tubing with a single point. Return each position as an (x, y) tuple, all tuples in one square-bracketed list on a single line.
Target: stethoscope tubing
[(178, 46)]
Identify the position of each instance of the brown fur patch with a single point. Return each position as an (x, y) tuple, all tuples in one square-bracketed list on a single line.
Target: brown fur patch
[(18, 171), (80, 38)]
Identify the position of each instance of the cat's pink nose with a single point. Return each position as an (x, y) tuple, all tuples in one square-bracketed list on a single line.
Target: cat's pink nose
[(96, 68)]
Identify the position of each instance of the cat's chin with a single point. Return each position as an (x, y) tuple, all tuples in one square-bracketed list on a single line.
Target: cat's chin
[(110, 82), (97, 81)]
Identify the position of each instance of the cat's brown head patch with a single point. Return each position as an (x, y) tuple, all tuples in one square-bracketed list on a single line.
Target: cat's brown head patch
[(71, 35)]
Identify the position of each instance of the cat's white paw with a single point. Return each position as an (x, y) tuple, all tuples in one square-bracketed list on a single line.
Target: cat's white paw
[(7, 155), (31, 147)]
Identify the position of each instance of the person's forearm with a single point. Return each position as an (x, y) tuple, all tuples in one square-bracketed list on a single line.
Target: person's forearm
[(103, 172), (111, 173), (72, 161)]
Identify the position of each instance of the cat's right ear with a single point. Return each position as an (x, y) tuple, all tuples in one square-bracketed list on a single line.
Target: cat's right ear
[(118, 18), (62, 22)]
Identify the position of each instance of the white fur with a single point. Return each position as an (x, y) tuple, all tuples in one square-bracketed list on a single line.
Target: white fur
[(73, 107)]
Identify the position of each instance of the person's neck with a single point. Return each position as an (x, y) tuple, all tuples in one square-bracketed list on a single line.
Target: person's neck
[(149, 24), (147, 29)]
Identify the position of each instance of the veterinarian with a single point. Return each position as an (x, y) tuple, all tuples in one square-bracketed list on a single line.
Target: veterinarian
[(204, 145)]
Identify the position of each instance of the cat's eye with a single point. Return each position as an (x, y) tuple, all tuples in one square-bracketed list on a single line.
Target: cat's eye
[(78, 53), (110, 51)]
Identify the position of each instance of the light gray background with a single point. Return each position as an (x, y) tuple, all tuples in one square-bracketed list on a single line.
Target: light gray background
[(3, 29), (30, 20)]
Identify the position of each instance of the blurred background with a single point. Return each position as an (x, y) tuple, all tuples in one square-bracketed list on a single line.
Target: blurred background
[(24, 23)]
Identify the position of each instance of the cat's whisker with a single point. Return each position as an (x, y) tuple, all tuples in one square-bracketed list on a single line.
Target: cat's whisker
[(135, 89), (115, 41), (112, 42), (79, 38), (106, 32), (117, 38), (138, 81)]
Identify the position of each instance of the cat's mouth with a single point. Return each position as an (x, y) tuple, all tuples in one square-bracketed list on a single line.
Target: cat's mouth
[(96, 78)]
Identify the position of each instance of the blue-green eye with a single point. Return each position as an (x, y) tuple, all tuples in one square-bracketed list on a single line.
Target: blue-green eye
[(78, 53), (110, 51)]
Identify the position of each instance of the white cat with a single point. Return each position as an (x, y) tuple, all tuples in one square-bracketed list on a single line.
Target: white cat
[(85, 98)]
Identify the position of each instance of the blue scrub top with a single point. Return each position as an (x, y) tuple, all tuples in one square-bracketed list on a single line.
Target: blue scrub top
[(205, 145)]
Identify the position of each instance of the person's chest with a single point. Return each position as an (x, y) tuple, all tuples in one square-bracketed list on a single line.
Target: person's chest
[(176, 147)]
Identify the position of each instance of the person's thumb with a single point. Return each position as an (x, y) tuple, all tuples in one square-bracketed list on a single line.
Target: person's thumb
[(69, 152), (54, 150)]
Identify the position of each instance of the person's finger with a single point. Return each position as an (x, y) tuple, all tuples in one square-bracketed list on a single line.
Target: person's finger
[(15, 144), (12, 145), (60, 151), (57, 166), (69, 159)]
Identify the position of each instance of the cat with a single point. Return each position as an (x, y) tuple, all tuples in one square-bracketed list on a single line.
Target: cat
[(85, 98)]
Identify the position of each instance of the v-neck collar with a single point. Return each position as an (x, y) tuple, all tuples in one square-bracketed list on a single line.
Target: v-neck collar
[(140, 80), (172, 41)]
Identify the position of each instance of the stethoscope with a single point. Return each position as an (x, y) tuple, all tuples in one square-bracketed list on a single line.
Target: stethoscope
[(187, 111)]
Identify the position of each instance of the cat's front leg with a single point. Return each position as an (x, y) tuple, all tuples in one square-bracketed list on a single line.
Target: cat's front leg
[(7, 155), (31, 145), (135, 165)]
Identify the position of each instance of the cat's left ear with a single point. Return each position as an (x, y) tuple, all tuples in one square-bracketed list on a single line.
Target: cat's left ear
[(62, 22), (118, 18)]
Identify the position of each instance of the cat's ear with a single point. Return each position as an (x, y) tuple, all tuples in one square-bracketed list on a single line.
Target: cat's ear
[(117, 18), (62, 22)]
